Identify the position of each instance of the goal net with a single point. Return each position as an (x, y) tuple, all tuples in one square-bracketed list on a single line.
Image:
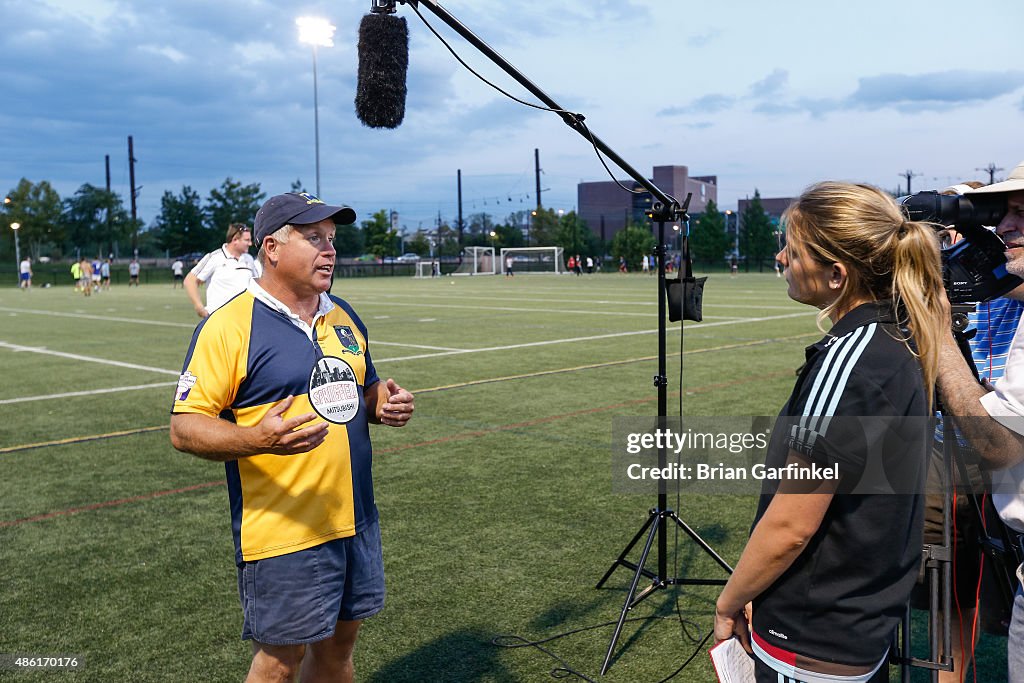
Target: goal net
[(477, 261), (533, 259), (428, 268)]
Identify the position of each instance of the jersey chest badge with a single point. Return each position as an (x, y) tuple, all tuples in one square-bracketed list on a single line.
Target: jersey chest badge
[(348, 339), (333, 390)]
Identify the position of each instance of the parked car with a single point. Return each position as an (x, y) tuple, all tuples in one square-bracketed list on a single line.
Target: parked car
[(409, 257)]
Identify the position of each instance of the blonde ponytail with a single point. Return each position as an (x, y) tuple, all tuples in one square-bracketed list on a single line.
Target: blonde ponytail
[(886, 257), (917, 288)]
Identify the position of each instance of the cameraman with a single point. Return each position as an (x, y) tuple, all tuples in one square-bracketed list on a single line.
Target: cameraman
[(999, 441), (992, 326)]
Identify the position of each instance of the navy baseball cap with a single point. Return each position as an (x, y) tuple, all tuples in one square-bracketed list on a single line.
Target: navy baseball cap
[(297, 208)]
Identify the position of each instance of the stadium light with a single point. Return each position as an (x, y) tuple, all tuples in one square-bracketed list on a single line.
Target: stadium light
[(17, 247), (317, 33)]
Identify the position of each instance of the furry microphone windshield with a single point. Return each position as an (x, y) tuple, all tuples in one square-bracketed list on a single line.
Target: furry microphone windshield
[(383, 62)]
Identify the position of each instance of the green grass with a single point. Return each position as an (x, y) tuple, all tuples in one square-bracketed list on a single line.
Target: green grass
[(496, 501)]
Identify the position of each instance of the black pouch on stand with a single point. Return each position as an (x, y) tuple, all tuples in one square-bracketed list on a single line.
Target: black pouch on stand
[(685, 293)]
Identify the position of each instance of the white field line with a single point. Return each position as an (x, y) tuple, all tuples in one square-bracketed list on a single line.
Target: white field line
[(141, 321), (603, 302), (60, 354), (516, 309), (377, 342), (620, 301), (92, 392), (105, 318), (74, 356), (591, 338)]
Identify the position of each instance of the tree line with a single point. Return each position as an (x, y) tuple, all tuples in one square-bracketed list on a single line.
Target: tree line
[(760, 238), (94, 222)]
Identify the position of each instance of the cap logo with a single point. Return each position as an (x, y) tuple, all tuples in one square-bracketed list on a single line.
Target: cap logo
[(310, 199)]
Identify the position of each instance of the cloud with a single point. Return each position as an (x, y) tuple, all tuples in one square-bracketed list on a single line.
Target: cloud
[(173, 54), (703, 39), (708, 104), (933, 90), (510, 23), (770, 84), (905, 93), (778, 109)]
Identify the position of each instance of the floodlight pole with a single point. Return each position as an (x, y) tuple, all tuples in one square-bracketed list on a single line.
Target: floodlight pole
[(664, 208), (17, 252), (316, 32), (316, 123)]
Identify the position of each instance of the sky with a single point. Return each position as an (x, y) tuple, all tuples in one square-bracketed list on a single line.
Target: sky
[(766, 96)]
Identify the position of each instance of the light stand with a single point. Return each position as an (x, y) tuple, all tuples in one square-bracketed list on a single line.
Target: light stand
[(665, 208), (658, 517)]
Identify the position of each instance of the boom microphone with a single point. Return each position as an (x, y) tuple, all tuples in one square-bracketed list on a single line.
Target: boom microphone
[(383, 62)]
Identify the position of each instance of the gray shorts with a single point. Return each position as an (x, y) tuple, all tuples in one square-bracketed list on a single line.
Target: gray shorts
[(298, 598)]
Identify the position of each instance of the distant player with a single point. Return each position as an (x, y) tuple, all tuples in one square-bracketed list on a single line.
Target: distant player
[(26, 273), (133, 273), (178, 268)]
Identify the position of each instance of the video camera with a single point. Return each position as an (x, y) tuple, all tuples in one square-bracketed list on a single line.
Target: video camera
[(973, 269)]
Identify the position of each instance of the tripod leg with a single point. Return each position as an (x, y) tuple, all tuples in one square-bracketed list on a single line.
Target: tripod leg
[(632, 591), (701, 542), (621, 559)]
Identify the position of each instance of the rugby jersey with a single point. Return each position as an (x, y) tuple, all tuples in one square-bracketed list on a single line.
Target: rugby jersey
[(843, 595), (246, 358)]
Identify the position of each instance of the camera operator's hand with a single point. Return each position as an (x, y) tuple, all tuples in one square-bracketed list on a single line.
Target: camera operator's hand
[(949, 237)]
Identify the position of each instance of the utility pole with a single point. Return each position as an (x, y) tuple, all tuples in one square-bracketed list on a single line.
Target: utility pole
[(131, 181), (908, 174), (536, 166), (106, 160), (991, 170), (459, 175)]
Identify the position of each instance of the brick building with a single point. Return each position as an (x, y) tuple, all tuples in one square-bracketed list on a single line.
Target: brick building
[(606, 207)]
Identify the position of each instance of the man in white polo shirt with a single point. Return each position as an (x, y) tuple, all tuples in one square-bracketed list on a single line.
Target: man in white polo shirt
[(225, 271)]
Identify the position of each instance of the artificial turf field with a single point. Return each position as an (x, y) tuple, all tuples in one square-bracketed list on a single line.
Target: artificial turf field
[(496, 502)]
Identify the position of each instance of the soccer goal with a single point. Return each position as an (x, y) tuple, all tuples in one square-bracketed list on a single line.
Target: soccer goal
[(428, 268), (477, 261), (533, 259)]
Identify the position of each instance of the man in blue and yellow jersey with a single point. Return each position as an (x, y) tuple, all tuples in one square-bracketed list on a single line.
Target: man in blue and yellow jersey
[(278, 384)]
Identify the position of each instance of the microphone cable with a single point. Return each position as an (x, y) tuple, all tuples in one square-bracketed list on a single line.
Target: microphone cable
[(578, 120), (565, 670)]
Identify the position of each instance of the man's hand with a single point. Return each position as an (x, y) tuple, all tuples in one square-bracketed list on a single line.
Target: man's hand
[(282, 437), (191, 287), (399, 406)]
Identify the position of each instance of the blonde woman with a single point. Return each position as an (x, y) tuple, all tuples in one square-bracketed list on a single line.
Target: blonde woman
[(828, 572)]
